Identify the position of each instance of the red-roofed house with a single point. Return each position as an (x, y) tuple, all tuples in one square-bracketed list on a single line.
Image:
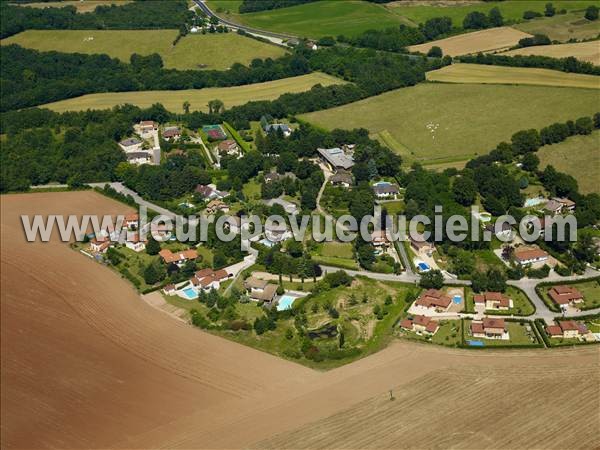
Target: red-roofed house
[(528, 256), (567, 329), (208, 279), (493, 300), (178, 258), (420, 325), (131, 220), (490, 328), (135, 243), (434, 299), (100, 245), (565, 295)]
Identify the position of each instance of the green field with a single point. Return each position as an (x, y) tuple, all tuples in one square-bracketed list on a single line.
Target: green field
[(562, 27), (323, 18), (208, 51), (511, 9), (437, 122), (485, 74), (339, 254), (199, 98), (578, 156)]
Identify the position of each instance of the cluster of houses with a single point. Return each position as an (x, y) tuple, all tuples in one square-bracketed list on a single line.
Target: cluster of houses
[(145, 147), (128, 236)]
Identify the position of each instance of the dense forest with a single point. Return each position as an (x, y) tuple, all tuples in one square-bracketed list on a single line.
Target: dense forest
[(135, 15)]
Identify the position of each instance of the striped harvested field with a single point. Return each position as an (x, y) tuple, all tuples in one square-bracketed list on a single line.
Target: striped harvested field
[(584, 51)]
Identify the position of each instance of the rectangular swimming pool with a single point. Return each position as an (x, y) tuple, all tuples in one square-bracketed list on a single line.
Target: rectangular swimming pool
[(190, 293), (423, 266), (285, 302)]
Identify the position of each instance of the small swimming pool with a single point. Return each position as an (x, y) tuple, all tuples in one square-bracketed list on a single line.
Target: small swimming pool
[(423, 266), (533, 202), (190, 293), (476, 343), (457, 299), (267, 243), (285, 302)]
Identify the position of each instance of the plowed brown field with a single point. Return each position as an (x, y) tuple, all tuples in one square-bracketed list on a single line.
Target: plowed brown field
[(87, 364)]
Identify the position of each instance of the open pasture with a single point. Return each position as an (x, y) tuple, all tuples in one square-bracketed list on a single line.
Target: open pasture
[(584, 51), (209, 51), (317, 19), (475, 42), (578, 156), (439, 122), (484, 74), (198, 98), (512, 10), (562, 27)]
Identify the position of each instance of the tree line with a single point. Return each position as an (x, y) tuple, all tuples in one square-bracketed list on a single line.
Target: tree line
[(569, 64), (134, 15)]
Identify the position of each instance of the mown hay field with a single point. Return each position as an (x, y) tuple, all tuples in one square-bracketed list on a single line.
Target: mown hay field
[(484, 74), (82, 6), (578, 156), (208, 51), (441, 123), (198, 98), (562, 27), (478, 41), (584, 51)]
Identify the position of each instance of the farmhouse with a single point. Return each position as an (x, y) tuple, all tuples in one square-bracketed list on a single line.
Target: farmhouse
[(130, 145), (565, 295), (342, 178), (490, 328), (528, 256), (139, 158), (179, 257), (493, 300), (229, 146), (567, 329), (336, 158), (434, 299), (135, 243), (276, 127), (215, 206), (385, 190), (207, 279), (146, 128), (260, 290), (379, 238), (208, 192), (171, 133), (131, 221), (100, 245), (420, 325)]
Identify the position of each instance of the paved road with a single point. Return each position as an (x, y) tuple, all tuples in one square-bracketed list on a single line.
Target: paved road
[(277, 38)]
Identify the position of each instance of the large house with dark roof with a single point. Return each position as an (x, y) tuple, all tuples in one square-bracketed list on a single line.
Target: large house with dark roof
[(336, 158)]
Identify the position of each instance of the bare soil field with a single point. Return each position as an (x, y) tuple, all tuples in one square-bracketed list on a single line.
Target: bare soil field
[(87, 364), (484, 74), (584, 51), (478, 41)]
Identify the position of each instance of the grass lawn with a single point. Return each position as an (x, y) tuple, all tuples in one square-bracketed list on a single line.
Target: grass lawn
[(561, 27), (195, 51), (199, 98), (393, 208), (323, 18), (578, 156), (251, 189), (519, 335), (338, 254), (522, 305), (205, 254), (448, 334), (484, 74), (584, 51), (466, 119), (511, 9), (82, 6)]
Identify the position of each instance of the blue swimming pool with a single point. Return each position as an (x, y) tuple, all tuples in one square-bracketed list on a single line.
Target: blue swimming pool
[(285, 302), (423, 266), (267, 243), (476, 343), (190, 293), (457, 299)]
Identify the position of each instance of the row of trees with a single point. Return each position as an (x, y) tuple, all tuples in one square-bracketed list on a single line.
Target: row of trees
[(248, 6), (569, 64), (136, 15)]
